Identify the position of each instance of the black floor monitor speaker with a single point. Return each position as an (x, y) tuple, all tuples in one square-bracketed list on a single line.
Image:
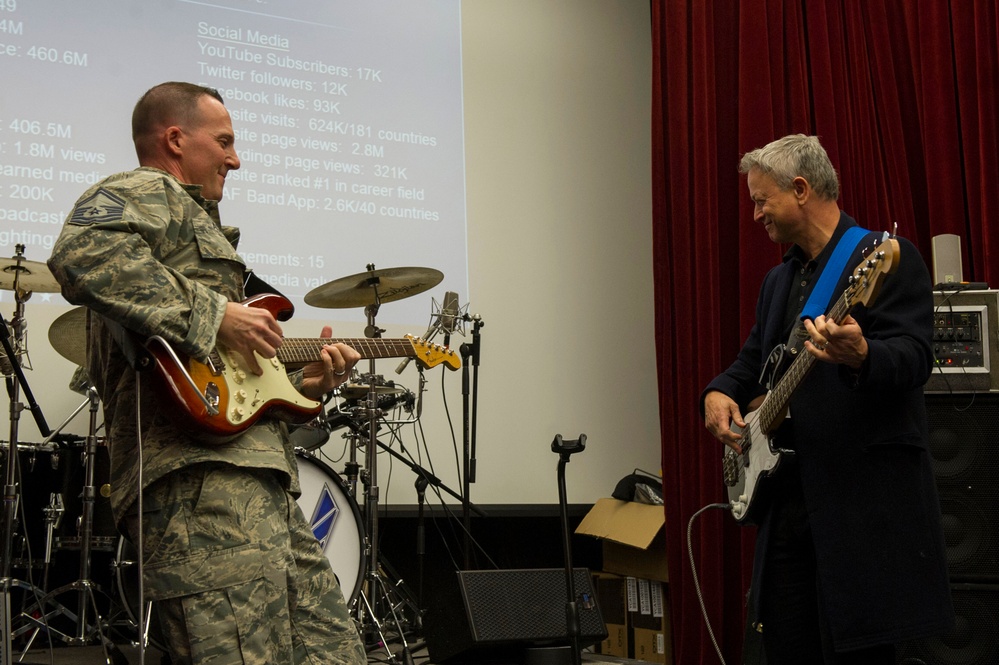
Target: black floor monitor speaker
[(975, 638), (964, 445), (501, 615)]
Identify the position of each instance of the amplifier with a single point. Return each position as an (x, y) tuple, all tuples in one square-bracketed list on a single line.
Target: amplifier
[(965, 342)]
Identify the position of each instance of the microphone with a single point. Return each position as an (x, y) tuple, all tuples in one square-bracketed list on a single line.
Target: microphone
[(448, 316)]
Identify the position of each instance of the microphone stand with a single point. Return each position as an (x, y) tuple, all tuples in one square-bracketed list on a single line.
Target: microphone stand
[(421, 543), (422, 472), (565, 449), (477, 325), (469, 353)]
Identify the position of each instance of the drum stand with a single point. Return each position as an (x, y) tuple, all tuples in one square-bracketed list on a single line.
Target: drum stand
[(84, 586)]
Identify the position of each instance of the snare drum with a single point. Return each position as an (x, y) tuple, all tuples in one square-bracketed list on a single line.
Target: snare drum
[(329, 508)]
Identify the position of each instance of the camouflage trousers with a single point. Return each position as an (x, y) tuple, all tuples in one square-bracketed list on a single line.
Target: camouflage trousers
[(236, 574)]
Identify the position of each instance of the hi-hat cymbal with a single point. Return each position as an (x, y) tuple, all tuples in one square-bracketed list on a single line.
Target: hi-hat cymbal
[(365, 288), (351, 391), (28, 275), (68, 336)]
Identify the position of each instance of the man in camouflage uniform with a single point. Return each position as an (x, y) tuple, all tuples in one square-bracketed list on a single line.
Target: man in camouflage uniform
[(230, 560)]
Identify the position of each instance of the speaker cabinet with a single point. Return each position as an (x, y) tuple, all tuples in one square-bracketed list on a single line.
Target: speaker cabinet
[(500, 615), (964, 444), (975, 638)]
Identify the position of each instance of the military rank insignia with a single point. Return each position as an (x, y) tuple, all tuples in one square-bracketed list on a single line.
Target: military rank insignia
[(101, 206)]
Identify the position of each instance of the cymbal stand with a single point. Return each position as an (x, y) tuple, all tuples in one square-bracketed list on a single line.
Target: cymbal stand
[(375, 592), (10, 495)]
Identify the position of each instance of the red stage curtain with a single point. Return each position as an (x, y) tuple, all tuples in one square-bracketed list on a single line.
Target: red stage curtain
[(905, 98)]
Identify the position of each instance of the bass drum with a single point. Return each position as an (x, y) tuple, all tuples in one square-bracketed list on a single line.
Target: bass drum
[(329, 508)]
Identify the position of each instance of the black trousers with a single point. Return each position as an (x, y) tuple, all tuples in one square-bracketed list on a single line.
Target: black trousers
[(794, 626)]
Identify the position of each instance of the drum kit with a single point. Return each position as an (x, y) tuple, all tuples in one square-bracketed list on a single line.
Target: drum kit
[(344, 517)]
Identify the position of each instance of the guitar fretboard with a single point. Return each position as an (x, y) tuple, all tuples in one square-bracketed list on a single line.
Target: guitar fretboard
[(300, 350), (775, 404)]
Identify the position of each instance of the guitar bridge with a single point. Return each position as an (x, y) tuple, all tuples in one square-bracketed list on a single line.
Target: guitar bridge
[(215, 363), (212, 393)]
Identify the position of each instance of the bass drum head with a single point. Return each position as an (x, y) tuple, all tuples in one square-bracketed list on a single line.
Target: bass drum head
[(336, 522)]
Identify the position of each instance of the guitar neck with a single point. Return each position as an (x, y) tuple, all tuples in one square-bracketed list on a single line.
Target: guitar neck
[(302, 350), (775, 405)]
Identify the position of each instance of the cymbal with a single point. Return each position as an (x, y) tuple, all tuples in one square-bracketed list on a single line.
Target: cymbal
[(30, 276), (68, 336), (387, 284)]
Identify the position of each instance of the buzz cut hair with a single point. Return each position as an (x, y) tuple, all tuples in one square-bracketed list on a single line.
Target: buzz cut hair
[(171, 103)]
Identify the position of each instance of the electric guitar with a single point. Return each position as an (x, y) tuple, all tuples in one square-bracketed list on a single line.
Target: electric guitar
[(221, 398), (749, 474)]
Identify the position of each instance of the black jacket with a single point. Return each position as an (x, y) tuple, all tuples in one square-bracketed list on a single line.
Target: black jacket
[(861, 442)]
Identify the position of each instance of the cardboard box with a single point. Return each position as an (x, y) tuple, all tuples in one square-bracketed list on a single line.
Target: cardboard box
[(649, 619), (612, 597), (634, 541)]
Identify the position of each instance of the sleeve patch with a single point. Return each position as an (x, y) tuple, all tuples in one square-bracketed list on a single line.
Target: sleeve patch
[(101, 206)]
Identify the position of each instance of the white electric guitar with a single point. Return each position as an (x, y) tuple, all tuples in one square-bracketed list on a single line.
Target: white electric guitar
[(749, 474)]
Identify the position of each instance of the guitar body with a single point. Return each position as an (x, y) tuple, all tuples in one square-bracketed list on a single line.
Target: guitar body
[(240, 396), (749, 475), (219, 399)]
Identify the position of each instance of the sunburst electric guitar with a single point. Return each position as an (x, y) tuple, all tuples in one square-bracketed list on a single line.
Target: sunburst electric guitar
[(220, 398), (748, 474)]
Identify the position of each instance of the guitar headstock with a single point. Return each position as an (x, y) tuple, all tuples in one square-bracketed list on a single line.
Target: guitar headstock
[(430, 355), (865, 282)]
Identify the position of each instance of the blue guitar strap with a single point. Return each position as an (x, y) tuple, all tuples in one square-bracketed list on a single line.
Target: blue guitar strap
[(822, 294), (817, 304)]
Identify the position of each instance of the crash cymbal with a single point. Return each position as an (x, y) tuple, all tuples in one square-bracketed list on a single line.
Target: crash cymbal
[(68, 336), (28, 275), (364, 288)]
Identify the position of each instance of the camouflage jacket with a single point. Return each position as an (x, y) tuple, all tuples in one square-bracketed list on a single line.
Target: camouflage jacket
[(148, 252)]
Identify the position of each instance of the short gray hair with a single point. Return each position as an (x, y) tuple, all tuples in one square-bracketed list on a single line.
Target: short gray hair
[(795, 156)]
